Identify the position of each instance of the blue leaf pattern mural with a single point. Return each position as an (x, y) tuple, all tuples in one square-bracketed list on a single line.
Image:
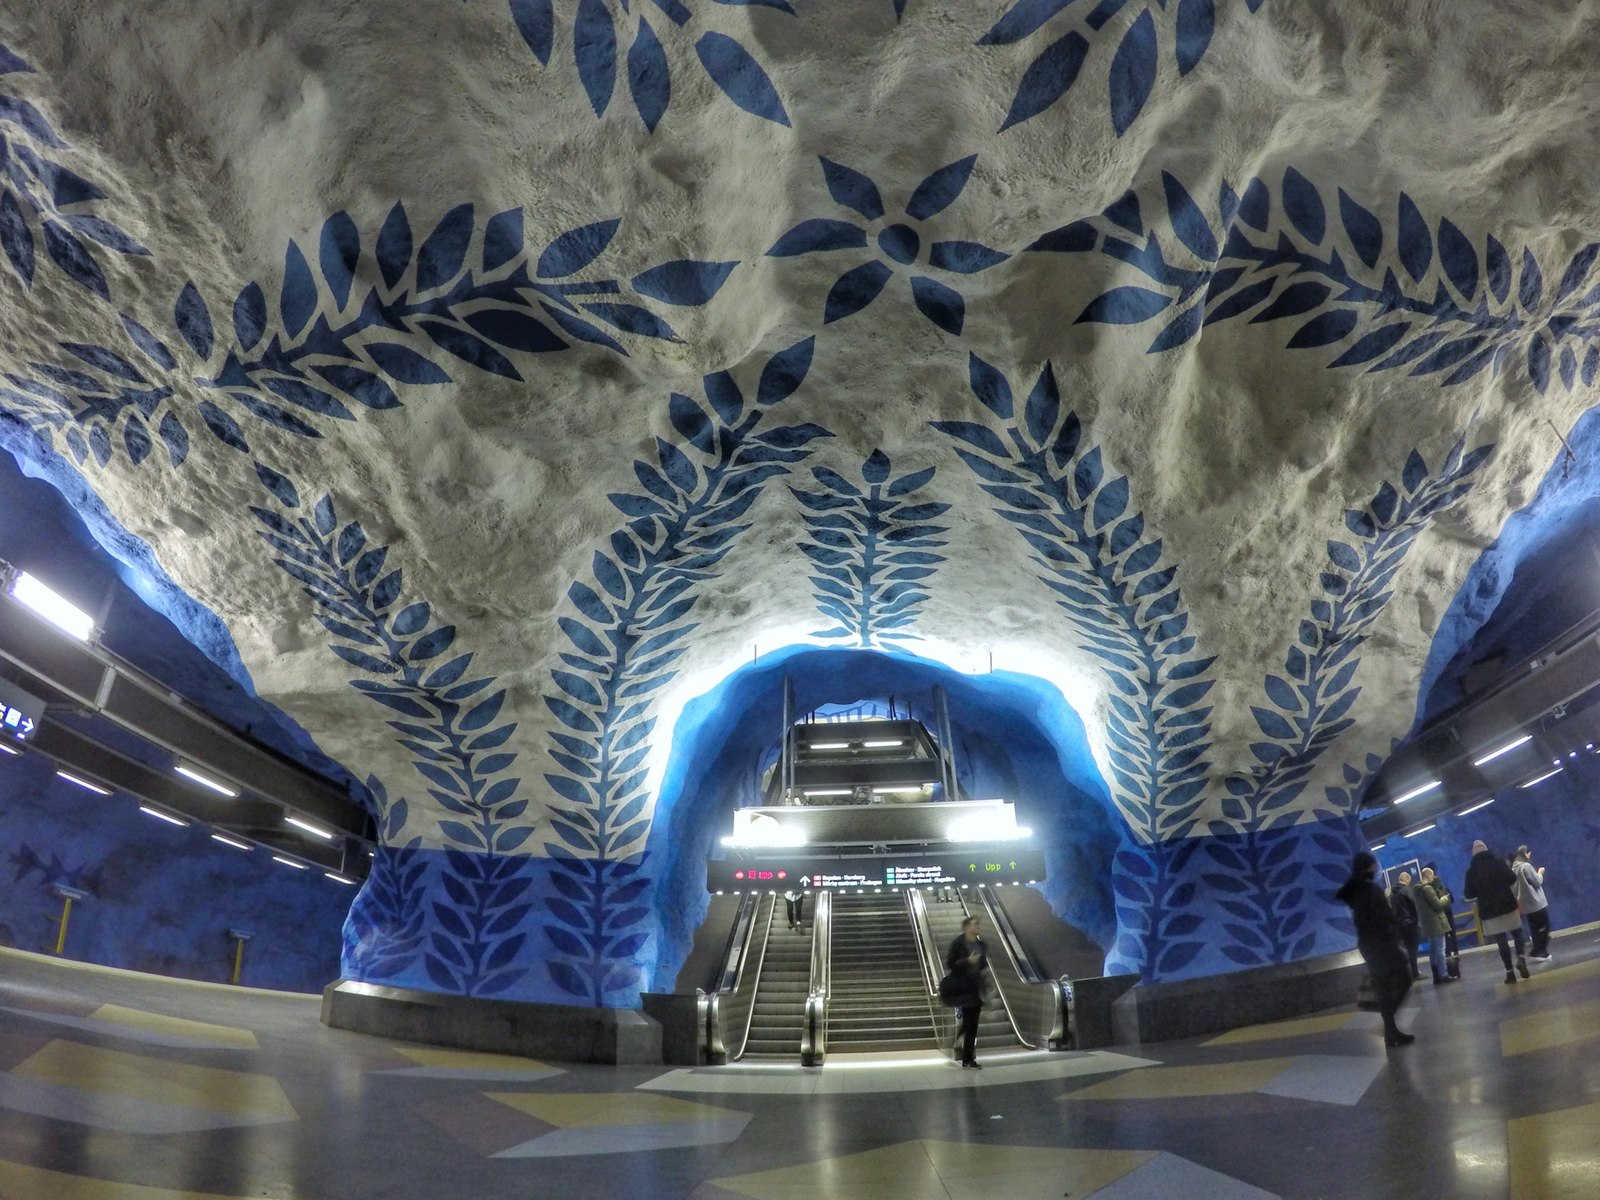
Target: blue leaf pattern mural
[(896, 246), (1327, 268), (44, 204), (467, 291), (872, 545), (1155, 32), (609, 37), (628, 626)]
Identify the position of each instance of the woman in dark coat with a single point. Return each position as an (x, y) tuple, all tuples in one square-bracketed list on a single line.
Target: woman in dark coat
[(1378, 939), (967, 960), (1492, 884)]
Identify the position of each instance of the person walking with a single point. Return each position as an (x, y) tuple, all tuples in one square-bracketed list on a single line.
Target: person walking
[(1433, 919), (1492, 885), (1405, 915), (967, 960), (1535, 906), (794, 903), (1378, 939)]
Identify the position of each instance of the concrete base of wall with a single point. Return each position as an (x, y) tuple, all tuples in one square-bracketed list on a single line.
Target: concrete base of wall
[(1093, 1002), (679, 1015), (1217, 1003), (546, 1031)]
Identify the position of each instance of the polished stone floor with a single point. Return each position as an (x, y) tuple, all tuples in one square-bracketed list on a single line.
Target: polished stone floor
[(117, 1086)]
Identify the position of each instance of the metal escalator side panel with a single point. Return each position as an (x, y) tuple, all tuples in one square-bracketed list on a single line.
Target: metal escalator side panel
[(814, 1027), (942, 1018), (1033, 1006), (713, 1006)]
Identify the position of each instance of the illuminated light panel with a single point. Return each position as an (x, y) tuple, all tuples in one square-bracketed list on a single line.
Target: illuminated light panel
[(9, 750), (896, 791), (205, 781), (1419, 830), (161, 816), (289, 862), (1506, 749), (326, 835), (56, 609), (83, 783), (829, 746), (228, 841), (1379, 846), (1417, 791), (1480, 804), (827, 791), (338, 878), (883, 743), (1541, 778)]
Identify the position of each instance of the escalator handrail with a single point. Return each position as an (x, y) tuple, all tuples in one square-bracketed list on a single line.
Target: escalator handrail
[(749, 976), (710, 1003), (814, 1027), (943, 1018)]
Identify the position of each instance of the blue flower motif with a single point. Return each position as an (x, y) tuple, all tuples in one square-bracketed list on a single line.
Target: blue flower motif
[(597, 34), (899, 245)]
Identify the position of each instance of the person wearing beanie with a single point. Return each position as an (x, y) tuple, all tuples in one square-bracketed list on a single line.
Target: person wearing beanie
[(1378, 939), (1492, 884), (1535, 905)]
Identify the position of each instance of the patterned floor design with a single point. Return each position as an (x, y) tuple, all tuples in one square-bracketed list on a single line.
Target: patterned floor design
[(115, 1086)]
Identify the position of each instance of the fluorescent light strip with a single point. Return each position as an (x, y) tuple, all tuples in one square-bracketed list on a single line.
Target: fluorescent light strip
[(228, 841), (83, 783), (337, 878), (314, 830), (882, 743), (1379, 846), (161, 816), (289, 862), (1541, 778), (1417, 791), (9, 749), (53, 607), (829, 746), (205, 781), (1419, 830), (827, 791), (896, 791), (1480, 804), (1506, 749)]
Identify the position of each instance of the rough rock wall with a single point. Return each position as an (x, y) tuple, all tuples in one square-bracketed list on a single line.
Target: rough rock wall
[(501, 374)]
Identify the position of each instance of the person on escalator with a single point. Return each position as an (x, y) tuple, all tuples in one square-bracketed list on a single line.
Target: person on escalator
[(968, 961)]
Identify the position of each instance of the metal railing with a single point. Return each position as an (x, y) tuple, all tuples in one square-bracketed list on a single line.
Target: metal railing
[(943, 1017), (814, 1028), (1040, 1009), (728, 1009)]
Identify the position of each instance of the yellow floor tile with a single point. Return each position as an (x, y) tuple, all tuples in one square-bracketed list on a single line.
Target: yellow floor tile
[(426, 1057), (1552, 1027), (1300, 1027), (133, 1018), (573, 1110), (1028, 1172), (1553, 977), (142, 1077), (18, 1182), (903, 1172), (1555, 1155), (1162, 1083)]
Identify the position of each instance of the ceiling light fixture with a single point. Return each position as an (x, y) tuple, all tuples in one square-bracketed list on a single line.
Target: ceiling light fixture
[(326, 835), (1506, 749), (829, 746), (161, 816), (883, 743), (338, 878), (83, 783), (204, 780), (1417, 791), (289, 862), (228, 841), (827, 791), (1540, 779), (52, 606), (1474, 808), (1419, 830)]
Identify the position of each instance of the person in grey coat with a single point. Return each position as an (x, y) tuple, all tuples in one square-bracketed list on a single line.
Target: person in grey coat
[(1535, 907)]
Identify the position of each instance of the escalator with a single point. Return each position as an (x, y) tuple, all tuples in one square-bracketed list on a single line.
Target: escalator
[(777, 1018), (996, 1030)]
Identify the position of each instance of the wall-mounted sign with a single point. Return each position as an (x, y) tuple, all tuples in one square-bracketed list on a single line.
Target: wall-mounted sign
[(20, 713), (779, 869)]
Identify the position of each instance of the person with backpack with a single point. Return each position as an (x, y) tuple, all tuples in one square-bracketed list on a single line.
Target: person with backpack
[(1492, 884)]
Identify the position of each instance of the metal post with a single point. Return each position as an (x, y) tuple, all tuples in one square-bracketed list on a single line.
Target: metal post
[(240, 937), (66, 914), (786, 745)]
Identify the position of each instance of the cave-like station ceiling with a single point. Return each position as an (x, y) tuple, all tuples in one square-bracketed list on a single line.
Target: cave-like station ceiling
[(504, 375)]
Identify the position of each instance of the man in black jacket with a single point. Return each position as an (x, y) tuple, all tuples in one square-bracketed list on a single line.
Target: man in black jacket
[(1406, 916), (1492, 884), (1378, 939), (966, 960)]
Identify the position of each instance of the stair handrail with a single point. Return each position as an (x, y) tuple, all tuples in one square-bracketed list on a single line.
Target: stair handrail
[(1046, 1004), (814, 1027), (737, 1009), (943, 1018)]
